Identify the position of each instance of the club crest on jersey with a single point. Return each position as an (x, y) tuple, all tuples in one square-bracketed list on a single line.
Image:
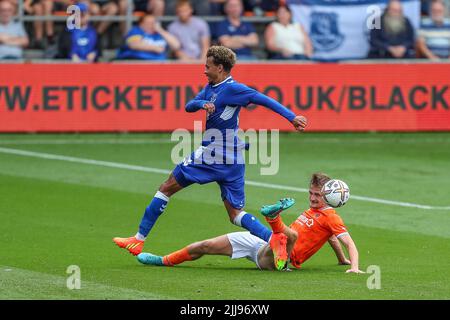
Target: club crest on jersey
[(213, 98), (325, 34)]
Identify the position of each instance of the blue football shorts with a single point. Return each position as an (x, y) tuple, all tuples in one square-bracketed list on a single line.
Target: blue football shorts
[(230, 178)]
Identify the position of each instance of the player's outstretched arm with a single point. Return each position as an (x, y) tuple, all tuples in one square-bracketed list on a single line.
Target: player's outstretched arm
[(299, 122), (337, 248), (352, 252)]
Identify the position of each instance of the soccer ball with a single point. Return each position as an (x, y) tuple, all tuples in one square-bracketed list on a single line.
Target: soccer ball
[(335, 193)]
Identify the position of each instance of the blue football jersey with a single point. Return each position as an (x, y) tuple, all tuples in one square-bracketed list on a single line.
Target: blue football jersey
[(229, 97)]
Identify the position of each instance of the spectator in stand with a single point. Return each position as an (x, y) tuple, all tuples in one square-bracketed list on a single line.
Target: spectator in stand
[(44, 8), (80, 44), (434, 34), (148, 41), (192, 33), (236, 34), (34, 7), (286, 40), (48, 7), (425, 7), (395, 38), (13, 37), (104, 8), (200, 7)]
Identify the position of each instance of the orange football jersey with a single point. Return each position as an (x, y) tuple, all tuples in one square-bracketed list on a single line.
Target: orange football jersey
[(314, 227)]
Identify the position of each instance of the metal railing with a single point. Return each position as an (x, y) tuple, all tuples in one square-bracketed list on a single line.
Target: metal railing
[(129, 18)]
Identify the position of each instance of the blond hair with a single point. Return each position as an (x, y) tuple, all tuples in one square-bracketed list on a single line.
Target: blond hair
[(222, 55), (318, 179)]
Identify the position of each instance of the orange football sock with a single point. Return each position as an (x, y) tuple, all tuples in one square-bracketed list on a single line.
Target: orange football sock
[(177, 257), (276, 224)]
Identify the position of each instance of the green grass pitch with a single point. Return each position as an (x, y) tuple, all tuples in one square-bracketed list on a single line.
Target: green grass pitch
[(55, 213)]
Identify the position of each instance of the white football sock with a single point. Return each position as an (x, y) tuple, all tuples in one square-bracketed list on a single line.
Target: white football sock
[(140, 237)]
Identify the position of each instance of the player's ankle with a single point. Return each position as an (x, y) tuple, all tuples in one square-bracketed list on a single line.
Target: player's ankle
[(140, 237)]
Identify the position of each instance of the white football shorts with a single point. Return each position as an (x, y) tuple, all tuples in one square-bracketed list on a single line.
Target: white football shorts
[(245, 245)]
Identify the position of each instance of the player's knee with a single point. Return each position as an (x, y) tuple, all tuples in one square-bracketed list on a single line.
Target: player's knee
[(170, 186), (232, 214), (166, 188), (163, 188)]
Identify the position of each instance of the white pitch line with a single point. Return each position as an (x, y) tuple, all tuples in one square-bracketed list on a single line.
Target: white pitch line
[(109, 164), (29, 284), (81, 160), (83, 141), (362, 198)]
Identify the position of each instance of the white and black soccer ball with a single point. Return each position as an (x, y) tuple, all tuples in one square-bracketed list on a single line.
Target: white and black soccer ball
[(336, 193)]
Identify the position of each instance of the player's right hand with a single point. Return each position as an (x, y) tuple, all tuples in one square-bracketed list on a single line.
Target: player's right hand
[(209, 107), (300, 123)]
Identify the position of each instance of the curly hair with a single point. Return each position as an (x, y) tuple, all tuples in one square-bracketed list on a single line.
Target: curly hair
[(222, 55)]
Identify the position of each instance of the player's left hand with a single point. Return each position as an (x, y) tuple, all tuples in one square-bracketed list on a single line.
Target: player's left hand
[(300, 123), (354, 271)]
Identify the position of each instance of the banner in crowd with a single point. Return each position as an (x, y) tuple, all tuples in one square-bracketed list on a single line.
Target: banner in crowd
[(339, 29), (151, 97)]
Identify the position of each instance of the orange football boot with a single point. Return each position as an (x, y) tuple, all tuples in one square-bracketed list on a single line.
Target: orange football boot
[(278, 243), (133, 245)]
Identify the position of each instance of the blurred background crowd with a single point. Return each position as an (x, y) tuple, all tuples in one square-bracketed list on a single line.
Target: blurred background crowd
[(183, 30)]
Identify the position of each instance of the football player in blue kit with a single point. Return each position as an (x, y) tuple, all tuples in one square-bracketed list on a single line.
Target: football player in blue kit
[(218, 159)]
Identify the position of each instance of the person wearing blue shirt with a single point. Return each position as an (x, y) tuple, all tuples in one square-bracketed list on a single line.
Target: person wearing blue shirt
[(81, 43), (148, 41), (236, 34), (217, 159)]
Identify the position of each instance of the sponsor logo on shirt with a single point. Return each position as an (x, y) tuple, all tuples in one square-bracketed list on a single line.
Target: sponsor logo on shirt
[(304, 220)]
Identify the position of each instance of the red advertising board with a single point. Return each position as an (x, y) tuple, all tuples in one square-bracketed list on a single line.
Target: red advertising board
[(151, 97)]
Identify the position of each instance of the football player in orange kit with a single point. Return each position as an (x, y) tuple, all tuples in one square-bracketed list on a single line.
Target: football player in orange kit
[(303, 238)]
